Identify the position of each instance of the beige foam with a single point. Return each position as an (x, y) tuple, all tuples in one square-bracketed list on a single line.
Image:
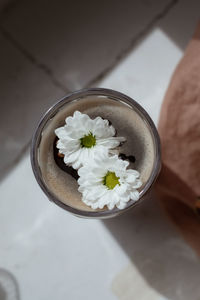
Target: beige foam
[(127, 123)]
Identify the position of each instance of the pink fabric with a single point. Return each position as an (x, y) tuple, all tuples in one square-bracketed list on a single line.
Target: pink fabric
[(178, 185)]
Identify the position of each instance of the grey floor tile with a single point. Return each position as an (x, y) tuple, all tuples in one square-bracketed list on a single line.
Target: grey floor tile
[(4, 3), (179, 24), (78, 40), (143, 74), (26, 91)]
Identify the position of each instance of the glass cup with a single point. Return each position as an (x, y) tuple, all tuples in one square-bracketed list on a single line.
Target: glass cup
[(46, 120)]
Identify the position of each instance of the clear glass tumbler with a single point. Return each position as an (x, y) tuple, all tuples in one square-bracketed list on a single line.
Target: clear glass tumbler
[(38, 163)]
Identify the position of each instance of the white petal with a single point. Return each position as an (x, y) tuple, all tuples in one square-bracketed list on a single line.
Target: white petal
[(135, 195), (137, 184), (121, 205), (110, 142), (133, 172), (60, 132), (76, 165), (130, 178), (94, 191), (110, 205), (121, 189)]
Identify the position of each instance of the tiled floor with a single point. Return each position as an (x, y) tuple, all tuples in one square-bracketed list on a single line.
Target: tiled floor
[(26, 91), (133, 48), (48, 49)]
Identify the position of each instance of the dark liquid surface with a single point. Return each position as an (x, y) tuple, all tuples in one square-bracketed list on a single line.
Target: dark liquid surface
[(60, 162)]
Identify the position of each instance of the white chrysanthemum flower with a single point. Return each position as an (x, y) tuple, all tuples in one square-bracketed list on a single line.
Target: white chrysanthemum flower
[(82, 139), (108, 182)]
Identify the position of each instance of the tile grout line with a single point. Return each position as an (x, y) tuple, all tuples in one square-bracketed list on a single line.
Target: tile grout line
[(17, 159), (132, 43), (99, 77), (32, 59)]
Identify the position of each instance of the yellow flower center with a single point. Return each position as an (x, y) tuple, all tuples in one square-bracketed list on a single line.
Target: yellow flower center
[(111, 180), (88, 141)]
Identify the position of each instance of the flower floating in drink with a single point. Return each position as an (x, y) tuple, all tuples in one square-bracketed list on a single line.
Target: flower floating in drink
[(89, 146)]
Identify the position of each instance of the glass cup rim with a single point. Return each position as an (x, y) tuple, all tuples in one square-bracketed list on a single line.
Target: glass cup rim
[(51, 112)]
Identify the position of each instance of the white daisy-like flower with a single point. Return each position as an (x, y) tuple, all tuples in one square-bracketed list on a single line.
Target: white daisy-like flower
[(108, 182), (82, 139)]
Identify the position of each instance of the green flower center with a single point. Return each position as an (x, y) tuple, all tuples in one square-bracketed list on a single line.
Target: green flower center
[(88, 141), (111, 180)]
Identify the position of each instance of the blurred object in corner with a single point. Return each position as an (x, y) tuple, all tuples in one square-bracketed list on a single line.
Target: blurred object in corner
[(8, 286)]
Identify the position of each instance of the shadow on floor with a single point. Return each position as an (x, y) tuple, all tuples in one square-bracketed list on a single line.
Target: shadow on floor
[(49, 49), (156, 250), (180, 23)]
